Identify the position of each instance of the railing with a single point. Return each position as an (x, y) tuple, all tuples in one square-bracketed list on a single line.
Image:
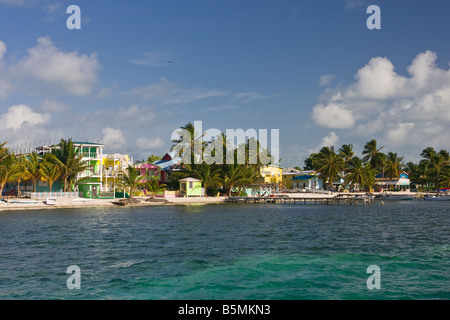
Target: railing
[(43, 195), (89, 154)]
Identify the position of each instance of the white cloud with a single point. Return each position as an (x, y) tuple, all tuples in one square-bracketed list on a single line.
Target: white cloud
[(149, 144), (333, 115), (113, 139), (168, 92), (330, 140), (157, 58), (2, 49), (20, 115), (326, 79), (67, 71), (402, 111), (49, 105)]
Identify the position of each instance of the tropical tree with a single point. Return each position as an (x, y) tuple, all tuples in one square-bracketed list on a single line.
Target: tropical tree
[(359, 174), (154, 187), (372, 154), (186, 146), (50, 171), (346, 152), (249, 175), (210, 177), (393, 166), (130, 179), (232, 176), (69, 162), (7, 167), (311, 163), (18, 173), (153, 158), (3, 151), (330, 165), (436, 164), (32, 167)]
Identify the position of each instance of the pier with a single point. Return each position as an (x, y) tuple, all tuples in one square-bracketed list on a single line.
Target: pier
[(336, 200)]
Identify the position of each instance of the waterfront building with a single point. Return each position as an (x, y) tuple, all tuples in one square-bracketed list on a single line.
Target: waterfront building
[(191, 187), (271, 174), (403, 183)]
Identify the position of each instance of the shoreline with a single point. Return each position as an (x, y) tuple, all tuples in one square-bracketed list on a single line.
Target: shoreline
[(71, 203)]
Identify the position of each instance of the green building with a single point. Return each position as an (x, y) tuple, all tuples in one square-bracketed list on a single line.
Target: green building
[(190, 187)]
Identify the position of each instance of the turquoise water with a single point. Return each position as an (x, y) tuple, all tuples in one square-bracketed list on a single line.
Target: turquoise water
[(229, 251)]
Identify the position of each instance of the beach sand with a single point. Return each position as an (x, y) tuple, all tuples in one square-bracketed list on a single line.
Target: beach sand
[(88, 203)]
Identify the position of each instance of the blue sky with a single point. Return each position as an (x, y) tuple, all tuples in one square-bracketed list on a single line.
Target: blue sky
[(138, 70)]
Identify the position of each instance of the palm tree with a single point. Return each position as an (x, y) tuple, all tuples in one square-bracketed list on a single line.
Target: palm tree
[(372, 154), (359, 174), (69, 162), (330, 165), (249, 176), (346, 152), (130, 179), (153, 186), (19, 173), (209, 177), (189, 146), (3, 151), (232, 176), (32, 167), (50, 172), (394, 165), (7, 167)]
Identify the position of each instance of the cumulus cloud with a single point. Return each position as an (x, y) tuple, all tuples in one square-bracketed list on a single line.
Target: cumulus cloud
[(326, 79), (67, 71), (19, 115), (395, 108), (2, 49), (113, 138), (330, 140), (333, 115), (149, 144)]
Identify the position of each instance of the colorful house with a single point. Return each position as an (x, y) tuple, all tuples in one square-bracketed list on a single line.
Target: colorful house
[(271, 174), (310, 181), (167, 166), (288, 174), (100, 179), (190, 187), (385, 183)]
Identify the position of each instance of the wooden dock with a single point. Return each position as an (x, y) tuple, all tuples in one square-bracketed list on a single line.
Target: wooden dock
[(336, 200)]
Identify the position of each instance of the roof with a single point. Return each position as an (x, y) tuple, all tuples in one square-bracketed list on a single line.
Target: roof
[(146, 165), (189, 179), (165, 164), (305, 178), (87, 143), (290, 171)]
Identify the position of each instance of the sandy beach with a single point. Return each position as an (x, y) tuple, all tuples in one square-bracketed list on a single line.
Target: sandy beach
[(89, 203)]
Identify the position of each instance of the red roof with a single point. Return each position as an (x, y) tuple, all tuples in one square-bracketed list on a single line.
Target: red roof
[(146, 165)]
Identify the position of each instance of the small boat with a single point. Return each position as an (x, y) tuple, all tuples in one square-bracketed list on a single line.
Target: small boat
[(119, 203), (50, 201), (397, 197), (437, 197), (24, 201)]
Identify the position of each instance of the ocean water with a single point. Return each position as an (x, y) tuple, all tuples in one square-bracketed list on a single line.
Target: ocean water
[(229, 251)]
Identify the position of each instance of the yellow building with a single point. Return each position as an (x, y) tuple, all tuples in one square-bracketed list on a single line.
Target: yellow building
[(271, 174)]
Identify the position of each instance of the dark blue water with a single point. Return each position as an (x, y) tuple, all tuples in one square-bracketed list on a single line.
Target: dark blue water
[(263, 251)]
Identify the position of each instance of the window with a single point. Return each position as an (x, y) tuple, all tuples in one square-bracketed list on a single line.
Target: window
[(191, 185)]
